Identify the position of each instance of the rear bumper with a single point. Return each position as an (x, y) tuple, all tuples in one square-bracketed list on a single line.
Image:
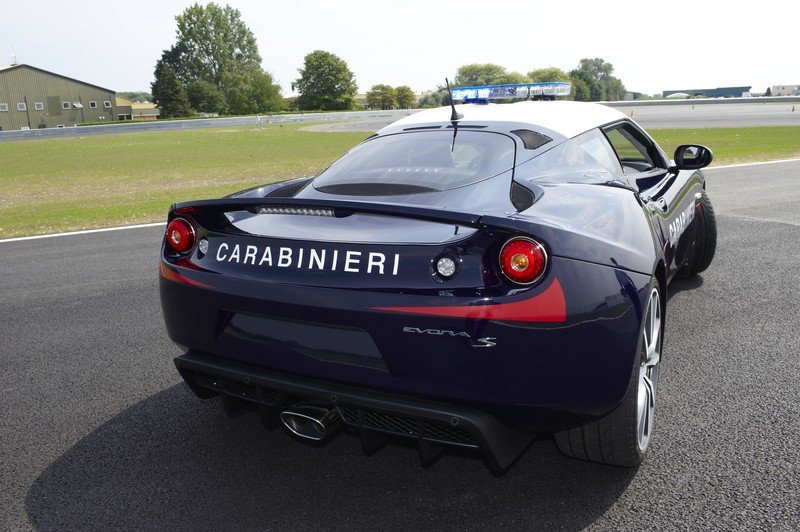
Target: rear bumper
[(430, 423), (535, 377)]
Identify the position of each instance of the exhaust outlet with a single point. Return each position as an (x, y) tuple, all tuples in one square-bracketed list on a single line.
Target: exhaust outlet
[(313, 422)]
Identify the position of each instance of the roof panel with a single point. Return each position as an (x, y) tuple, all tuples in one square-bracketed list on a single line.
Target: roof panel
[(565, 117)]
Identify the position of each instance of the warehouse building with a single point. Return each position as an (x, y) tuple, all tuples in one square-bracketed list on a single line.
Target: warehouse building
[(785, 90), (34, 98)]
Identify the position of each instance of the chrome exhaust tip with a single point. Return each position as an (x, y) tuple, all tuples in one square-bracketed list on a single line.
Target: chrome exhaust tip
[(313, 422)]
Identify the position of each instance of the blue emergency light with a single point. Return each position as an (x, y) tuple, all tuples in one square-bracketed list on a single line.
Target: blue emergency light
[(534, 91)]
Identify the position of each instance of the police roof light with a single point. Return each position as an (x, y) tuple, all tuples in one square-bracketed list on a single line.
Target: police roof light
[(548, 90)]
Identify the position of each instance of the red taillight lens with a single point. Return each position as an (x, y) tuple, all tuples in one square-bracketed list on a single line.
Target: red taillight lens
[(523, 260), (180, 235)]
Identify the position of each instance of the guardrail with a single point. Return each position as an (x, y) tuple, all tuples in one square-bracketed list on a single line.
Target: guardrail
[(202, 123)]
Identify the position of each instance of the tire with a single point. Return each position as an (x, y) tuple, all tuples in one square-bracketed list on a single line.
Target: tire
[(623, 436), (706, 237)]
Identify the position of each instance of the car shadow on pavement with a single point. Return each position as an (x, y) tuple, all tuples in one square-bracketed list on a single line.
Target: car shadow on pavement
[(684, 284), (175, 462)]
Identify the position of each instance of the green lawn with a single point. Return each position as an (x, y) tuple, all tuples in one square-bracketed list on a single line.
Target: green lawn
[(69, 184)]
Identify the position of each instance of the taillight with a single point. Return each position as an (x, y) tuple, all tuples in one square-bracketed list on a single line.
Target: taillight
[(180, 235), (523, 260)]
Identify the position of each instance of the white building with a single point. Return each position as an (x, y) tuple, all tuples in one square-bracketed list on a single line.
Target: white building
[(785, 90)]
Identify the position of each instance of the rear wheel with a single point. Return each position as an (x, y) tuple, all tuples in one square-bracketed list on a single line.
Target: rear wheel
[(706, 238), (623, 436)]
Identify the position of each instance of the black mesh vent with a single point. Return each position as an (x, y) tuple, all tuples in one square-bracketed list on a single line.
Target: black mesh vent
[(406, 426), (248, 392), (521, 197), (532, 139), (447, 434)]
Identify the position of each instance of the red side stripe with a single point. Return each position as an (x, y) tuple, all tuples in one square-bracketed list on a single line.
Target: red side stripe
[(172, 275), (549, 306)]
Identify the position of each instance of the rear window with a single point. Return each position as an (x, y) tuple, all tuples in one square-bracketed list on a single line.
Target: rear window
[(418, 162)]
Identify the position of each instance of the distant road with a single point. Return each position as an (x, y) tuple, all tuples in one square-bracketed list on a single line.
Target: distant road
[(692, 115), (755, 112)]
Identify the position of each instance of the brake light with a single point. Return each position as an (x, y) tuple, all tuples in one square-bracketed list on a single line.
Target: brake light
[(523, 260), (180, 235)]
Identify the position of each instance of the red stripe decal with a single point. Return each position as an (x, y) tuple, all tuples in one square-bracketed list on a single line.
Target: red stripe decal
[(549, 306), (172, 275)]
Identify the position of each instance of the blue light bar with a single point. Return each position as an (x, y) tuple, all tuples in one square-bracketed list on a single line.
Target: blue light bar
[(548, 90)]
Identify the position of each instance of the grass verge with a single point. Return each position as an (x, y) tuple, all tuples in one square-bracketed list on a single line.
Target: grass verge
[(70, 184)]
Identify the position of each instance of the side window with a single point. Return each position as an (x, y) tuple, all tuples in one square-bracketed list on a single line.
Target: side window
[(633, 153), (596, 145), (588, 154)]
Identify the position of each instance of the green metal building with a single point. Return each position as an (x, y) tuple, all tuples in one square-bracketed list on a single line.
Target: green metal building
[(33, 98)]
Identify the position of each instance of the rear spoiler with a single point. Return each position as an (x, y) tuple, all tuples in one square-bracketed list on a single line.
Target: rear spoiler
[(321, 207), (341, 209)]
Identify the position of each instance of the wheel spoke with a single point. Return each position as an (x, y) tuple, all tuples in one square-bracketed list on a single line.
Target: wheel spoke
[(646, 410), (648, 370)]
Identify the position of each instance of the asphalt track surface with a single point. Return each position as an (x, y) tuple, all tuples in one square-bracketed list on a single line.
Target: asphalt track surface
[(97, 432)]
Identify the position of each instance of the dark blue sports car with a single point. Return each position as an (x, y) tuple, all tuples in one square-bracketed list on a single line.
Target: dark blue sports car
[(472, 276)]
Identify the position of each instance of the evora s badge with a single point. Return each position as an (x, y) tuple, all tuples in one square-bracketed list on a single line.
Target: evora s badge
[(476, 342)]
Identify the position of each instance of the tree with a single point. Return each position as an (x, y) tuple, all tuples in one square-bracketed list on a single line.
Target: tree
[(136, 96), (406, 99), (596, 67), (580, 91), (614, 88), (216, 54), (264, 94), (169, 94), (325, 83), (605, 86), (382, 97), (511, 78), (592, 90), (206, 97), (551, 74), (249, 93), (435, 98), (480, 74), (546, 75), (213, 40)]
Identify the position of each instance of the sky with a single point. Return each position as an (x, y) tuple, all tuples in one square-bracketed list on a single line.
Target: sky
[(653, 46)]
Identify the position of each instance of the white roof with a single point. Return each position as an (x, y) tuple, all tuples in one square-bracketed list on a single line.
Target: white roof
[(565, 117)]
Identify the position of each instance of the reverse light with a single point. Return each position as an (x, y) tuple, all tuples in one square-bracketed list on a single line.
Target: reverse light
[(180, 235), (523, 260), (446, 267)]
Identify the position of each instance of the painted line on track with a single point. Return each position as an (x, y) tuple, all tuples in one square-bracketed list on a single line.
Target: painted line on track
[(86, 232), (753, 164)]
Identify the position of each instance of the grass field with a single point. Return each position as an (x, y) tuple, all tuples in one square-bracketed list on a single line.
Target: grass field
[(69, 184)]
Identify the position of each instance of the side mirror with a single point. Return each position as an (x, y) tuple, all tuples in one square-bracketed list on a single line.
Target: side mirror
[(692, 157)]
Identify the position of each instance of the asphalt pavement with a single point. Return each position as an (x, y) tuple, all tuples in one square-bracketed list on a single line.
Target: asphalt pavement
[(97, 431)]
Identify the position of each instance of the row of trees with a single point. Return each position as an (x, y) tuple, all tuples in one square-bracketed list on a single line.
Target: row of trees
[(387, 97), (215, 67)]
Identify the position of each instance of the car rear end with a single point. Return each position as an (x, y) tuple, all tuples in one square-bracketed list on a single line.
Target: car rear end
[(448, 327)]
